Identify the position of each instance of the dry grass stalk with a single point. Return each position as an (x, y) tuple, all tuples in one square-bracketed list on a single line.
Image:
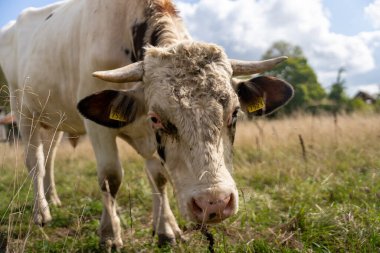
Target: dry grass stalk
[(302, 143)]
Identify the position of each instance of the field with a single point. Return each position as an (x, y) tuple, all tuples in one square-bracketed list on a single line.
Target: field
[(307, 184)]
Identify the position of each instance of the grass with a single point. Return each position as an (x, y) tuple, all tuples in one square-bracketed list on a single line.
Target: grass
[(324, 197)]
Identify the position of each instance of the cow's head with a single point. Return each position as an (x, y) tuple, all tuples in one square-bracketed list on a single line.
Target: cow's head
[(192, 102)]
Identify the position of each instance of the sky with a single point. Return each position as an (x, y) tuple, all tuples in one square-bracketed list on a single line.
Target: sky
[(332, 33)]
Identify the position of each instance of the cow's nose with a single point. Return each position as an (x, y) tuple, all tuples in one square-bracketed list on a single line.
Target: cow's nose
[(211, 208)]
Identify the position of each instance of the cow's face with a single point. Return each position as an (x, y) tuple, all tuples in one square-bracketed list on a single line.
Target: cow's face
[(193, 110), (192, 106)]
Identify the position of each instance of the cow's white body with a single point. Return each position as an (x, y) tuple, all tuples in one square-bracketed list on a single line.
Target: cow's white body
[(49, 54), (48, 57), (80, 41)]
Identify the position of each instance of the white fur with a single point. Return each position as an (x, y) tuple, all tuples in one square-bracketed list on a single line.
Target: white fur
[(48, 64)]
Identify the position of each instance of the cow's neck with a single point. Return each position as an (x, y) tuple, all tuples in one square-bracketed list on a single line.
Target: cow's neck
[(130, 25), (160, 26)]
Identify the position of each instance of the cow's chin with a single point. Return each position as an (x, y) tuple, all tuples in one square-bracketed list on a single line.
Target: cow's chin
[(209, 205)]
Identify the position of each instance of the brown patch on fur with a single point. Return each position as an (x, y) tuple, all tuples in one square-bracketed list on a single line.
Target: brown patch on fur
[(165, 6), (138, 31)]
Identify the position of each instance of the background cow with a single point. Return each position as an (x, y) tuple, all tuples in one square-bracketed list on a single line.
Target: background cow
[(177, 104)]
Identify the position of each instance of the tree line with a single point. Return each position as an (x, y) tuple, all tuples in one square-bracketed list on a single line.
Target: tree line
[(310, 96)]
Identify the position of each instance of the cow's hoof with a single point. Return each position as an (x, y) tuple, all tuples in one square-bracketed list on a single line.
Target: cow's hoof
[(165, 240), (111, 246), (183, 239), (39, 221), (42, 218), (105, 246), (55, 201), (118, 244)]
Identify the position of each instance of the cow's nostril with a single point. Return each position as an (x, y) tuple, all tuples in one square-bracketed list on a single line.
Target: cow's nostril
[(211, 216), (229, 209), (196, 208)]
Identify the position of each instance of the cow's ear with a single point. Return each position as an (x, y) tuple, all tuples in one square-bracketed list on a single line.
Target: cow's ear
[(263, 95), (113, 108)]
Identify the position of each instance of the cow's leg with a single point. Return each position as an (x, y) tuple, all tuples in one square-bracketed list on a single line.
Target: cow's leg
[(164, 222), (35, 162), (51, 138), (110, 175)]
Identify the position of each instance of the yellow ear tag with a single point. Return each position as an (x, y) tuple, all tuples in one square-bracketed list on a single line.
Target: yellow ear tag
[(257, 106), (117, 116)]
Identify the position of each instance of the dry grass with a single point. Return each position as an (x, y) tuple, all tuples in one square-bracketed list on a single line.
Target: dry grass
[(317, 131), (328, 202)]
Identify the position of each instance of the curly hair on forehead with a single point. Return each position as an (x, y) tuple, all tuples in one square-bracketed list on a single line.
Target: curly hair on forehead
[(164, 7)]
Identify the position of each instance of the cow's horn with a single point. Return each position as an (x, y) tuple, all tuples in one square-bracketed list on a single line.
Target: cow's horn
[(131, 73), (242, 68)]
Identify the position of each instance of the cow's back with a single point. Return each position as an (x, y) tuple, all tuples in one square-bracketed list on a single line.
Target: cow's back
[(15, 39)]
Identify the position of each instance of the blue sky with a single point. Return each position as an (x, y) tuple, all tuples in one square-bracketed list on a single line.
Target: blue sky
[(333, 33), (346, 15), (10, 9)]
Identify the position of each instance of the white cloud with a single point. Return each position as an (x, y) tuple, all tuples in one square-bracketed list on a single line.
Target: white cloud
[(373, 12), (246, 28), (372, 39)]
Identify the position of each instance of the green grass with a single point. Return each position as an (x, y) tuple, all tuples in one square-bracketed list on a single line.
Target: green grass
[(329, 202)]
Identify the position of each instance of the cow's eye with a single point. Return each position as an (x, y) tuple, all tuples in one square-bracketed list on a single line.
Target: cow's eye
[(234, 117), (156, 121), (235, 113)]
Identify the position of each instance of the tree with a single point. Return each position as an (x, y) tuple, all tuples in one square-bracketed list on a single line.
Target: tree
[(281, 48), (296, 71), (338, 93), (356, 105)]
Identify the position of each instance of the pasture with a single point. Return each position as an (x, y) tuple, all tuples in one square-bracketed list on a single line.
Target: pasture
[(307, 184)]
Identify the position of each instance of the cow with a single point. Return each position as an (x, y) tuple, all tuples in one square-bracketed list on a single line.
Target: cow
[(130, 69), (8, 128)]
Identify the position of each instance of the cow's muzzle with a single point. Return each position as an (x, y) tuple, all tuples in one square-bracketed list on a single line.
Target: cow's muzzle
[(211, 207)]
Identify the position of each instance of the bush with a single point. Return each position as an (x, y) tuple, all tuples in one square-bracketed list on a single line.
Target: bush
[(358, 105)]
